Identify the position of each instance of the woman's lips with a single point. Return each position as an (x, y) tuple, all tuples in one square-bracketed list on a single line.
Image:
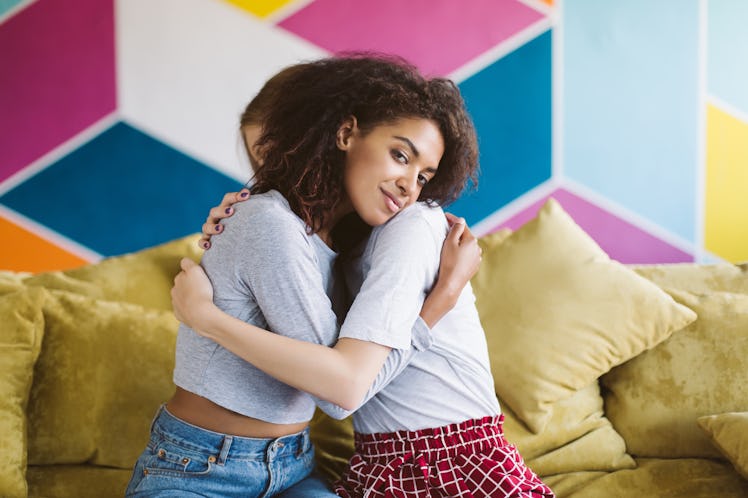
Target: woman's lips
[(391, 202)]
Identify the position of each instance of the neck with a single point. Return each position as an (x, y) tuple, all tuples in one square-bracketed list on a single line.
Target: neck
[(325, 233)]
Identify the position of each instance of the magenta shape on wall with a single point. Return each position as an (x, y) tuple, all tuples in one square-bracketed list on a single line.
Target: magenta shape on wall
[(622, 241), (438, 36), (57, 77)]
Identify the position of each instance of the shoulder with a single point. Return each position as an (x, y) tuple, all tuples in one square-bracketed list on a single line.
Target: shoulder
[(419, 219), (268, 212), (264, 224), (269, 207), (417, 231)]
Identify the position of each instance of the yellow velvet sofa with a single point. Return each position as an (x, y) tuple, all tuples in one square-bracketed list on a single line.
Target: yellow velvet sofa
[(616, 381)]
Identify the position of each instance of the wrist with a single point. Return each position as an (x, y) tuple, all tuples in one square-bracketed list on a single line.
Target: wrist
[(205, 320), (446, 292), (438, 303)]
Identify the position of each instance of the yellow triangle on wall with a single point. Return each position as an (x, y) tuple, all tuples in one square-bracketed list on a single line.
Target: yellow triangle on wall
[(726, 199), (260, 8)]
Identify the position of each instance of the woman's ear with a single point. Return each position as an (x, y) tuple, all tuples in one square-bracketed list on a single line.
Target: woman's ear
[(346, 133)]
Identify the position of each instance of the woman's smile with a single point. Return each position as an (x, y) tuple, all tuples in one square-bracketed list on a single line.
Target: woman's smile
[(392, 203)]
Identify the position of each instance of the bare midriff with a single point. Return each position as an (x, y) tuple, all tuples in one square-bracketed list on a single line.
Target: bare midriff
[(203, 413)]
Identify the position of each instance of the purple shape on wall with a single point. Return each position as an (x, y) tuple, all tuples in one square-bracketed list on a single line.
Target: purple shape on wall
[(622, 241), (437, 36), (57, 77)]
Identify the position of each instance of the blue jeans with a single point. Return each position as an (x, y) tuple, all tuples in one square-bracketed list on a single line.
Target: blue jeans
[(185, 460)]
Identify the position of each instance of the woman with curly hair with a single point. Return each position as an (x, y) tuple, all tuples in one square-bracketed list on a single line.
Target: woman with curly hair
[(430, 424), (357, 137)]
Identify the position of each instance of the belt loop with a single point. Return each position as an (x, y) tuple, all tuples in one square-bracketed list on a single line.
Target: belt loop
[(304, 443), (307, 439), (155, 417), (225, 447)]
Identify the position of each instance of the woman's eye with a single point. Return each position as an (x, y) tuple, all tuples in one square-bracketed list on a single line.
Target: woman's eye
[(400, 156), (422, 180)]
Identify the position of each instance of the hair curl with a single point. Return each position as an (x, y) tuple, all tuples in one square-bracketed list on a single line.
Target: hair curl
[(300, 156)]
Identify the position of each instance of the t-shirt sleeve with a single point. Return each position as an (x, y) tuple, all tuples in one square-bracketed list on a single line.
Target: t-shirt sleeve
[(403, 262)]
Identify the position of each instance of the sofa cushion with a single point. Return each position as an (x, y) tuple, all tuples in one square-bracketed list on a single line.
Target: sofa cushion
[(689, 478), (333, 444), (20, 343), (577, 437), (729, 433), (144, 277), (696, 278), (654, 400), (11, 281), (79, 481), (104, 369), (558, 313)]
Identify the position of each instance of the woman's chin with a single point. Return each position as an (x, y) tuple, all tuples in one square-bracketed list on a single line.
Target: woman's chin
[(376, 219)]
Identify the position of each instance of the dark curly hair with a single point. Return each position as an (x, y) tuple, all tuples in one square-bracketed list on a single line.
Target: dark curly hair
[(300, 156)]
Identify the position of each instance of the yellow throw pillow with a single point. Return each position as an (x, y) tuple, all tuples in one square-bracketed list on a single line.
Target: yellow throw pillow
[(11, 281), (104, 369), (729, 432), (577, 437), (144, 277), (558, 313), (654, 400), (20, 342), (697, 278)]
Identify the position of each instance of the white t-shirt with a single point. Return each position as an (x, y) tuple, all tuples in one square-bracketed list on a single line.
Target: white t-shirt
[(451, 381)]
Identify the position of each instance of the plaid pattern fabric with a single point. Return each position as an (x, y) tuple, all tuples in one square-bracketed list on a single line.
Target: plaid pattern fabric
[(470, 459)]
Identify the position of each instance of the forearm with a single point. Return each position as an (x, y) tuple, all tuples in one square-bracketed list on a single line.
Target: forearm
[(332, 374), (439, 302)]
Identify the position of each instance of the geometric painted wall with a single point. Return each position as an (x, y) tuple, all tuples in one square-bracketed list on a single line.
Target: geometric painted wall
[(118, 118)]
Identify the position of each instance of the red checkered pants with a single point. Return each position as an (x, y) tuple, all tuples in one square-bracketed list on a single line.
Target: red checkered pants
[(470, 459)]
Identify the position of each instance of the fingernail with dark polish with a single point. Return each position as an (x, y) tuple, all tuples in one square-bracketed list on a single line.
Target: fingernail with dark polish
[(218, 228), (206, 245), (228, 210), (244, 194)]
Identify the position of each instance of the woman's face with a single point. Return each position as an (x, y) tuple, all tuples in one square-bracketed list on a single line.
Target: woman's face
[(386, 168)]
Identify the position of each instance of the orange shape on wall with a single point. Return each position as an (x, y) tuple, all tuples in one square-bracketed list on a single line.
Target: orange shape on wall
[(22, 250)]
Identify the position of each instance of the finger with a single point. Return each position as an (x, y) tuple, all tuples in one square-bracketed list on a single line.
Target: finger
[(218, 213), (242, 195), (455, 233), (211, 229), (204, 243), (229, 199), (186, 264), (451, 218), (467, 236)]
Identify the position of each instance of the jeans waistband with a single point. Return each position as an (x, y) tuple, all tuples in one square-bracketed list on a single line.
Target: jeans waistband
[(226, 446)]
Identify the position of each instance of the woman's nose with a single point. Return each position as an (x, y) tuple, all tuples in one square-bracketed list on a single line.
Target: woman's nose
[(408, 183)]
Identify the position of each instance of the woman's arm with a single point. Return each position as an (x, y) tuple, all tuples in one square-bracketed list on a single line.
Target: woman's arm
[(341, 375), (333, 370)]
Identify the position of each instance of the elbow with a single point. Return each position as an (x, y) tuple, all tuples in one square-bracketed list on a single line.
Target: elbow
[(351, 394), (350, 401), (338, 412)]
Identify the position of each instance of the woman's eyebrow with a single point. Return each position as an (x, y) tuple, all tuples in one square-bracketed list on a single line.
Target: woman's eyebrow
[(409, 143)]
